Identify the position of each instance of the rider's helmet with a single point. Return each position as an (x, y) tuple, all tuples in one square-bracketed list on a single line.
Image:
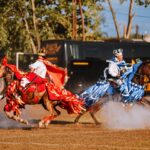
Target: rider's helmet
[(41, 56), (118, 52)]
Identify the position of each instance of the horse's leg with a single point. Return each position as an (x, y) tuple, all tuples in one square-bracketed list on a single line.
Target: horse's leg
[(56, 110), (94, 118), (145, 101), (93, 110), (50, 106), (46, 120), (76, 121), (12, 115), (97, 106)]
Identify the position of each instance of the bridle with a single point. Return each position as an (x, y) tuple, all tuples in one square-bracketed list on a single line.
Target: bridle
[(6, 72)]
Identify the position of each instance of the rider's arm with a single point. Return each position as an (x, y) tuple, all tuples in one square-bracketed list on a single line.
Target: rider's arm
[(125, 70), (113, 71)]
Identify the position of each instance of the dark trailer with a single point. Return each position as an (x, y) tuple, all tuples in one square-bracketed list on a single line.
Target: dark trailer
[(86, 60)]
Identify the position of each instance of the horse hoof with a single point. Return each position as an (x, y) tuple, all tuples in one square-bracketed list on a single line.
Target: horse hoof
[(42, 124), (24, 121), (46, 123)]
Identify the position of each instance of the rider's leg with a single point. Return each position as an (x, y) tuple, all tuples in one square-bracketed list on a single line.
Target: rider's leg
[(123, 88)]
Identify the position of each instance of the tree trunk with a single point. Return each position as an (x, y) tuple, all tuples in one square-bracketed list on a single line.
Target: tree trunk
[(130, 19), (31, 40), (114, 18), (82, 18), (137, 31), (35, 25), (74, 20), (28, 32), (124, 31)]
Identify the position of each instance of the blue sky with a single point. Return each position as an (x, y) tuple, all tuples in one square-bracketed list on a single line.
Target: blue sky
[(142, 18)]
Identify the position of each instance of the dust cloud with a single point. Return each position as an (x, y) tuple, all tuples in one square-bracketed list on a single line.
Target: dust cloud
[(115, 116), (6, 123)]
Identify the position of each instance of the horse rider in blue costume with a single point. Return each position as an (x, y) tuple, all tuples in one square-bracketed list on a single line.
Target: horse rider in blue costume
[(121, 73)]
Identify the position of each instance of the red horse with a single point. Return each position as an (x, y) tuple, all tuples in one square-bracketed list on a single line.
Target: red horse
[(47, 94)]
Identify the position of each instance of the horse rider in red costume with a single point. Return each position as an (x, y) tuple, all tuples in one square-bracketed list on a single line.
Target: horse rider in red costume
[(53, 78)]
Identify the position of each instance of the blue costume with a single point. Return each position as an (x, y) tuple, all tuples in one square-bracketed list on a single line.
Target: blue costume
[(124, 76), (120, 73)]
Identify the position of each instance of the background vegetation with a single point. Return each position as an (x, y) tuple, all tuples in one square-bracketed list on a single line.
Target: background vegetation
[(24, 24)]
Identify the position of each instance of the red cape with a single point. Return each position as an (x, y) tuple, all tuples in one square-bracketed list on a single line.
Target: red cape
[(57, 74)]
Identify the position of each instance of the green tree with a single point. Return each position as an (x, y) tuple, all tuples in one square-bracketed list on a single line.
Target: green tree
[(25, 23)]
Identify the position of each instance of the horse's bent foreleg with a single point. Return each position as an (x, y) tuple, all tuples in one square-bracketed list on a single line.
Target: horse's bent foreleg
[(16, 117)]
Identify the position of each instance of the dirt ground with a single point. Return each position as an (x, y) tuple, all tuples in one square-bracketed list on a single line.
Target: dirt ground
[(62, 134)]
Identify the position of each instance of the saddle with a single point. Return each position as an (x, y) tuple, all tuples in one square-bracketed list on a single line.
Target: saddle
[(31, 87), (113, 82), (31, 92)]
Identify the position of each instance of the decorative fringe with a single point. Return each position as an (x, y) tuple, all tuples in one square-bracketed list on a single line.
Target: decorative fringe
[(94, 92), (136, 92)]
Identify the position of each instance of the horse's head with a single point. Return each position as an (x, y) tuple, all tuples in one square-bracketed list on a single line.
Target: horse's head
[(146, 69), (142, 73), (6, 73)]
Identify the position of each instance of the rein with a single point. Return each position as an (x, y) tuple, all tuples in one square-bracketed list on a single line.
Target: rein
[(139, 74)]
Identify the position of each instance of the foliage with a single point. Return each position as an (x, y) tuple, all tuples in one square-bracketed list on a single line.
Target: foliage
[(53, 21), (145, 3)]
